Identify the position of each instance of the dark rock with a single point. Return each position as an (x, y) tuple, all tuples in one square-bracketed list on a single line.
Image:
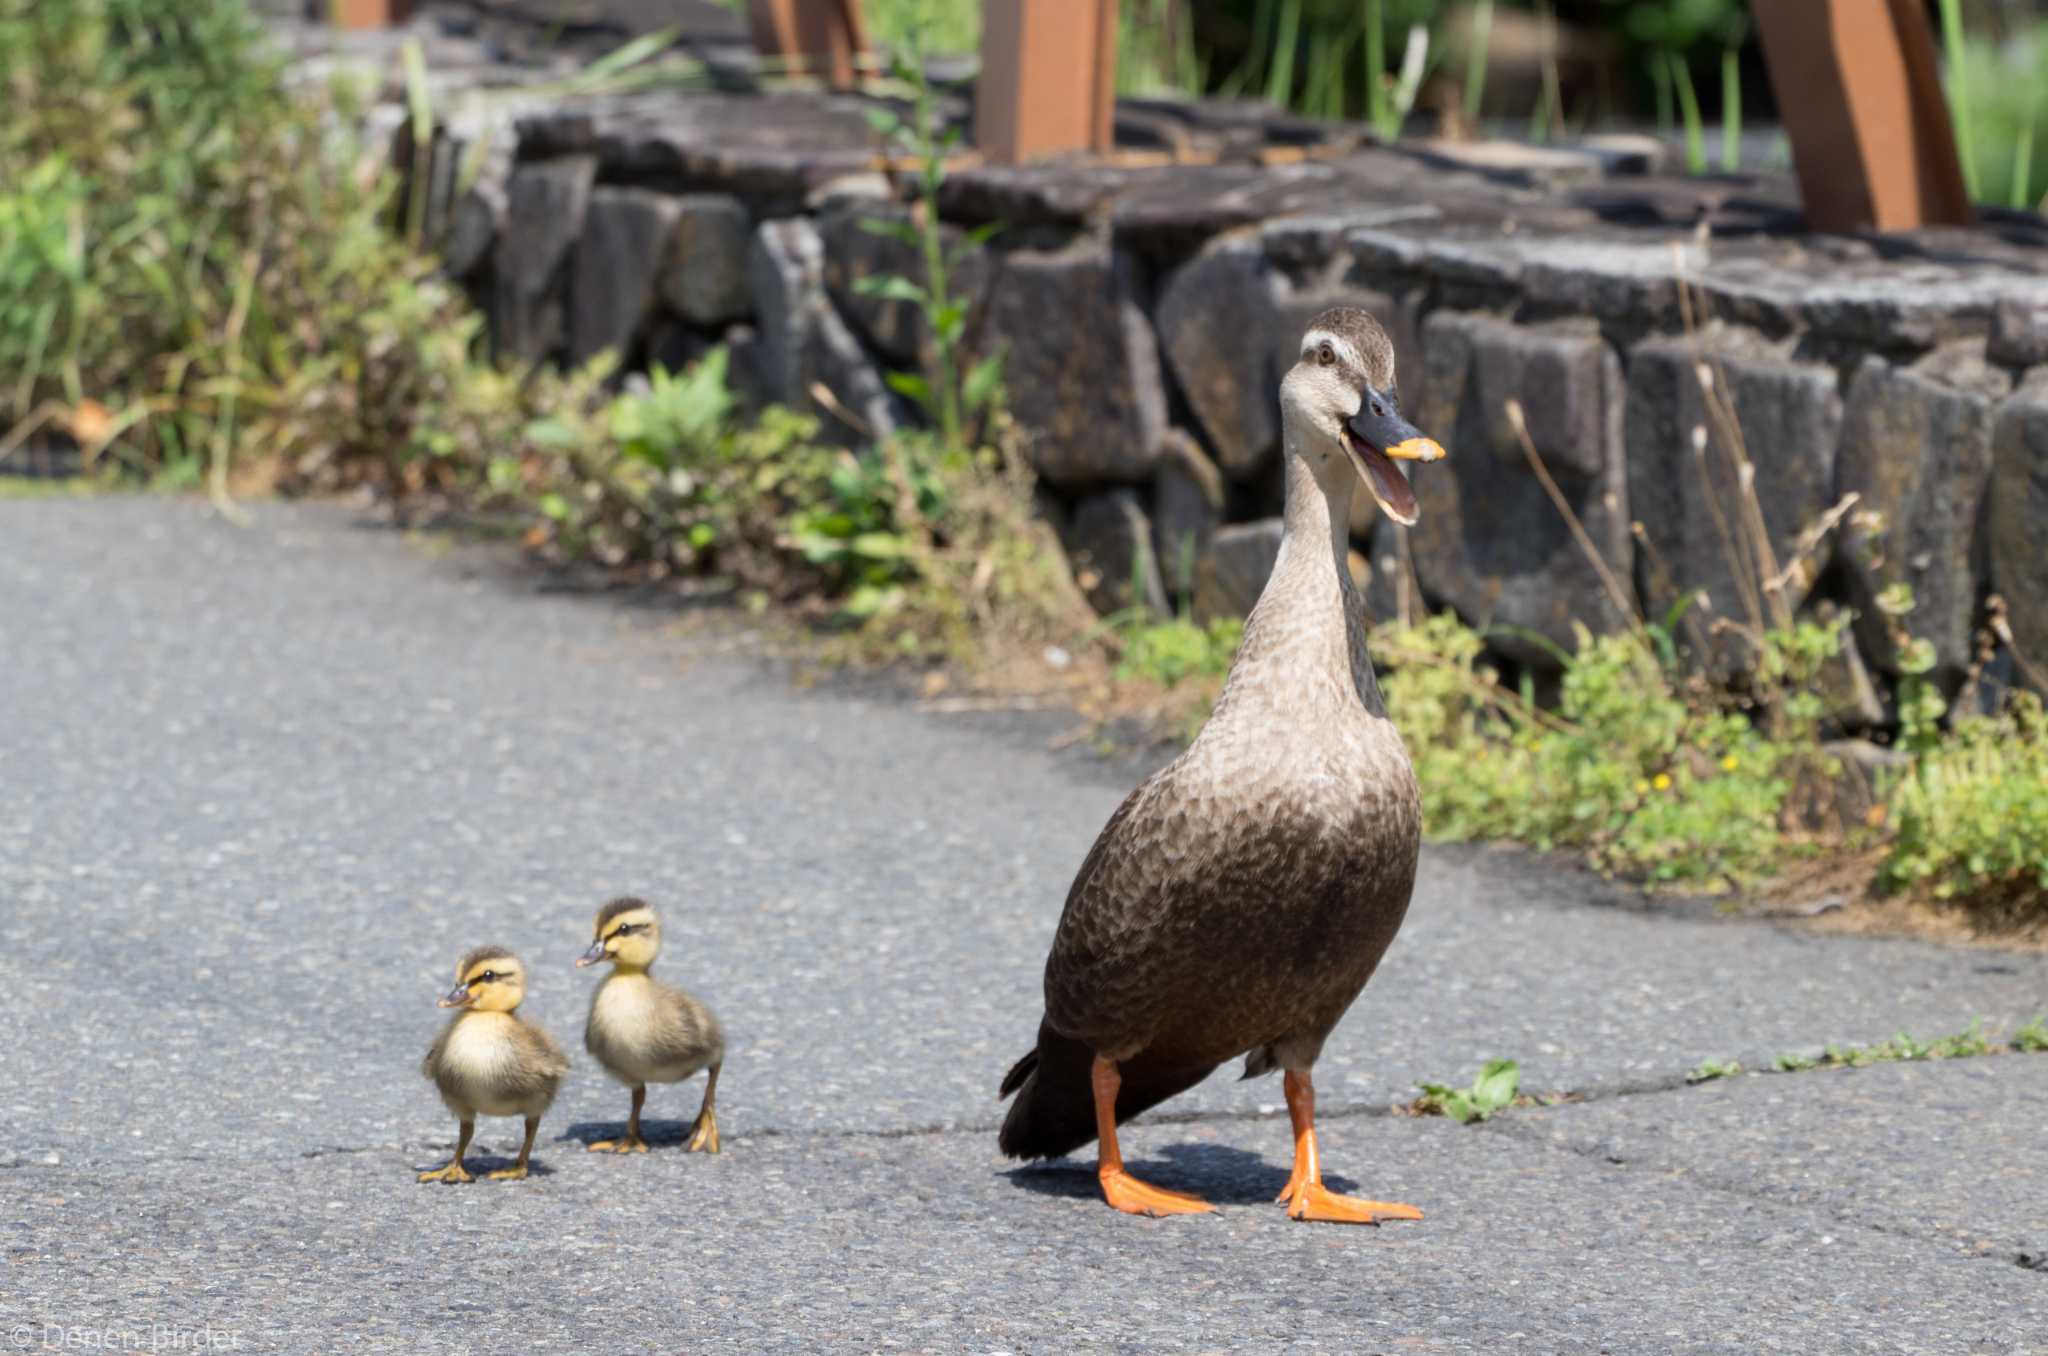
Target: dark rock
[(704, 276), (478, 221), (1390, 589), (1916, 446), (1234, 570), (1187, 507), (1058, 193), (1615, 280), (546, 204), (786, 280), (1489, 541), (618, 260), (1109, 544), (2018, 521), (853, 252), (1519, 164), (1691, 499), (802, 341), (1080, 364), (1853, 700), (2019, 332), (1220, 324), (1866, 770)]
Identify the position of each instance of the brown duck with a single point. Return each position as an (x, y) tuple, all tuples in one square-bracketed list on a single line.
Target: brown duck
[(1238, 900)]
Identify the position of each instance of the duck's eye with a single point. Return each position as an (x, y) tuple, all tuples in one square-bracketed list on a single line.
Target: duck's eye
[(1326, 355), (485, 978)]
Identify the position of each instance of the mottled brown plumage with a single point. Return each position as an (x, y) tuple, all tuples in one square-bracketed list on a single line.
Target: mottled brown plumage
[(1239, 899)]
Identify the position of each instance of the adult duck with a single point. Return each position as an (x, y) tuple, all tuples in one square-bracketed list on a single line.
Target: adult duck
[(1239, 899)]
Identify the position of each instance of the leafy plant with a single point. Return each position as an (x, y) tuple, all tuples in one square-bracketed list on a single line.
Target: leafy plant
[(2031, 1039), (1493, 1089), (1711, 1069), (951, 393)]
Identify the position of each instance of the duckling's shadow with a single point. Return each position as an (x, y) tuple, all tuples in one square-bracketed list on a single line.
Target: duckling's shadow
[(478, 1165), (1218, 1173), (658, 1134)]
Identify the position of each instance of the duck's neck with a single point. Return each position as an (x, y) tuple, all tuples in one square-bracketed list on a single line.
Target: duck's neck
[(1306, 636), (621, 969)]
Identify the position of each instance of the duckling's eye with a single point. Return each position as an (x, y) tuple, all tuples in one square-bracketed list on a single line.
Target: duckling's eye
[(1326, 355), (485, 978)]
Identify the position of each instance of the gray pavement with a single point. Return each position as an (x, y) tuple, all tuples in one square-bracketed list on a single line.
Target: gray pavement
[(260, 786)]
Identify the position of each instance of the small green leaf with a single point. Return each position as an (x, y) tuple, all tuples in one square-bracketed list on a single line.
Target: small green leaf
[(983, 380), (555, 507), (909, 384), (892, 230), (885, 121), (890, 287)]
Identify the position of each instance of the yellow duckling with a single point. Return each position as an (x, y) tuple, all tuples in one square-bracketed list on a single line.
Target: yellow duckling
[(644, 1031), (488, 1060)]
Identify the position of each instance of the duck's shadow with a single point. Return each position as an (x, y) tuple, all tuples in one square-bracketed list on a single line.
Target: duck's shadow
[(1218, 1173), (658, 1134)]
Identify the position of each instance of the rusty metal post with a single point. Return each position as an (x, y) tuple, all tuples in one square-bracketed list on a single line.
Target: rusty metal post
[(368, 13), (1048, 78), (1860, 97), (812, 37)]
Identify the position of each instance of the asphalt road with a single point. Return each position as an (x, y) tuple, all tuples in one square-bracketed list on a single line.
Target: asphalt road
[(260, 786)]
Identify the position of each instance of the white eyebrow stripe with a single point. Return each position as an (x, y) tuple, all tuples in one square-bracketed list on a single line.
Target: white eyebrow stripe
[(1336, 341)]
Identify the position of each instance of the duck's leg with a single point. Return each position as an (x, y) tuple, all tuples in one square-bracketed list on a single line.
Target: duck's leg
[(518, 1170), (630, 1142), (454, 1171), (705, 1139), (1119, 1188), (1305, 1193)]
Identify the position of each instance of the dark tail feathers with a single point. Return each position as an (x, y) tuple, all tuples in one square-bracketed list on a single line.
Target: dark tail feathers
[(1054, 1113)]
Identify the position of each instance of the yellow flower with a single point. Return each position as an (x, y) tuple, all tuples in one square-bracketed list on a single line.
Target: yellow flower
[(1641, 787), (1663, 782), (1730, 763)]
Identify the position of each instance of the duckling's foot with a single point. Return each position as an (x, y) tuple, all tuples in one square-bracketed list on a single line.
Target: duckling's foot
[(705, 1139), (452, 1173), (515, 1173), (624, 1144), (1315, 1201), (1126, 1193)]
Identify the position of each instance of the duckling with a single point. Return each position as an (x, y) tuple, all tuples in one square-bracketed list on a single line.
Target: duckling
[(490, 1060), (644, 1031)]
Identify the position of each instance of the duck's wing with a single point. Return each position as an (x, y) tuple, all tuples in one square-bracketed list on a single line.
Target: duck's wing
[(541, 1061), (687, 1030), (430, 1066)]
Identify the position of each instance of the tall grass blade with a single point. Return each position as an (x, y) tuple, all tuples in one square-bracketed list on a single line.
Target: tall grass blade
[(1376, 67), (1731, 109), (1959, 90), (419, 101), (1689, 109), (1475, 60), (1280, 76)]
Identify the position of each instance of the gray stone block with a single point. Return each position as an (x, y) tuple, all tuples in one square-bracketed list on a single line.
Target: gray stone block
[(1233, 571), (2019, 332), (478, 221), (1916, 446), (704, 274), (2018, 521), (1109, 544), (1489, 541), (1692, 503), (1219, 323), (1187, 508), (546, 203), (618, 261), (786, 281), (1081, 366)]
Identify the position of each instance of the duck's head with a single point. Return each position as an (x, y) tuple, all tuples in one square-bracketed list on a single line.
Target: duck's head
[(489, 979), (627, 933), (1340, 405)]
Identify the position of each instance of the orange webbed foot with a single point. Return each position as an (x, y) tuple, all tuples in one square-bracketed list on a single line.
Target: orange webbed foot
[(1126, 1193), (1315, 1201)]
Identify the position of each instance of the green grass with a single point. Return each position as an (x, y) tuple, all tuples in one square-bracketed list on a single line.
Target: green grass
[(1492, 1090)]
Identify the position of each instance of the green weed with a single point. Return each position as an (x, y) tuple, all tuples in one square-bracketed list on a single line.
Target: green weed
[(1711, 1069), (1493, 1089)]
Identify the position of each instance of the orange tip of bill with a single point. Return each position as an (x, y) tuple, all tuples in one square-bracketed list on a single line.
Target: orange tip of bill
[(1416, 449)]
